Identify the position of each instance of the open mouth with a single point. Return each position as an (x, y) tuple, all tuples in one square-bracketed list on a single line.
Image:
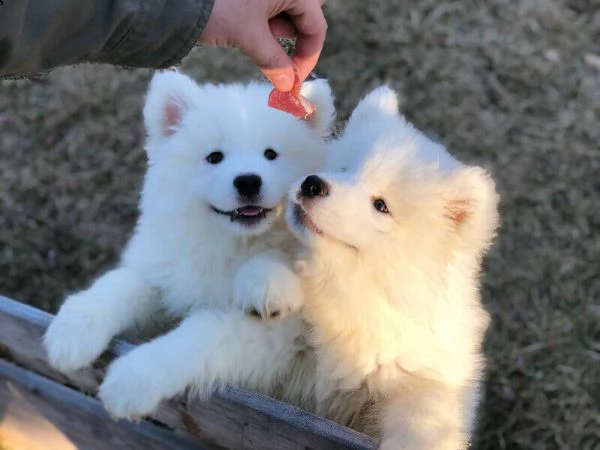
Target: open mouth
[(247, 215), (302, 218)]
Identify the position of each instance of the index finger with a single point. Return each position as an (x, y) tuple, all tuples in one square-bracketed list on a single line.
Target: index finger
[(310, 22)]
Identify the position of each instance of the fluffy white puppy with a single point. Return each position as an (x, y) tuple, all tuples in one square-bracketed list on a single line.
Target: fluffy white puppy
[(210, 243), (391, 277)]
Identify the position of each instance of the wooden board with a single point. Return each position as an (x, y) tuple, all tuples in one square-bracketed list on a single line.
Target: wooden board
[(232, 418), (39, 414)]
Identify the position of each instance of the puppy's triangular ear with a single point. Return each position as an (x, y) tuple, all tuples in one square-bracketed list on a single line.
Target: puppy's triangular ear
[(375, 117), (381, 102), (472, 207), (169, 97), (318, 92)]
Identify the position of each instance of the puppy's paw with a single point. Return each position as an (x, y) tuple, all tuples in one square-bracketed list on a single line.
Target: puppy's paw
[(267, 289), (75, 338), (132, 387)]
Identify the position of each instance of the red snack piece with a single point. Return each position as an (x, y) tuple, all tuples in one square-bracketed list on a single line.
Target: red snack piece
[(292, 102)]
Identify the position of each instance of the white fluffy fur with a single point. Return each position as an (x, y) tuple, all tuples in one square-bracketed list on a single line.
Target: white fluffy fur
[(393, 298), (184, 256)]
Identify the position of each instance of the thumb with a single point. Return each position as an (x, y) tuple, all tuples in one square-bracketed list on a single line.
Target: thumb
[(271, 59)]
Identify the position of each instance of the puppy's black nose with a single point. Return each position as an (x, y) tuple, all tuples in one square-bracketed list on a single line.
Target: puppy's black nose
[(314, 186), (248, 185)]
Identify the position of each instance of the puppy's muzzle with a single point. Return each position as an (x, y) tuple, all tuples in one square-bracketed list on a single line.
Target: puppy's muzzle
[(313, 186)]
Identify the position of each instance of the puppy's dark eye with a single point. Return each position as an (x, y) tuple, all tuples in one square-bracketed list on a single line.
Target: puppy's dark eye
[(379, 205), (270, 154), (215, 157)]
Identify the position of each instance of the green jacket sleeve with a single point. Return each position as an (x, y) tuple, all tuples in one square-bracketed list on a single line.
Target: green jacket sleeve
[(38, 35)]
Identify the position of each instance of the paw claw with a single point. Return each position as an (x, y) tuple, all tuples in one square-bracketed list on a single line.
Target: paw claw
[(264, 314), (254, 313)]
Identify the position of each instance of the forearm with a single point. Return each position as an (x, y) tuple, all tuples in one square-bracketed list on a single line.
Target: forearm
[(40, 35), (89, 319), (209, 348)]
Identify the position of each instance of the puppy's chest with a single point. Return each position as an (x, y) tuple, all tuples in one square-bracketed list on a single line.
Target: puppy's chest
[(190, 284), (202, 275), (348, 356), (361, 340), (202, 280)]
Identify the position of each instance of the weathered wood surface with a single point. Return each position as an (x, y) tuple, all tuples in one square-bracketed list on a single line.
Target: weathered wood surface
[(37, 413), (232, 418)]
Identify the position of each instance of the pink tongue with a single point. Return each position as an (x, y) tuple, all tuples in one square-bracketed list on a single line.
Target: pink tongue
[(249, 211)]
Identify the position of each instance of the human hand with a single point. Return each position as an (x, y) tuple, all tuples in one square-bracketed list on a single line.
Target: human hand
[(251, 27)]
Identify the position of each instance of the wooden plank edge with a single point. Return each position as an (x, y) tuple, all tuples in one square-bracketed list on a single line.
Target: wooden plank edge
[(235, 398), (58, 394), (297, 418)]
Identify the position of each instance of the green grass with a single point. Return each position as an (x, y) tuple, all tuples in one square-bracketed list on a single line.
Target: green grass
[(512, 85)]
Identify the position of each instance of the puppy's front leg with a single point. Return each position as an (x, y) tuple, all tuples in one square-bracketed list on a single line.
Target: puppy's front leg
[(267, 287), (429, 417), (209, 348), (89, 319)]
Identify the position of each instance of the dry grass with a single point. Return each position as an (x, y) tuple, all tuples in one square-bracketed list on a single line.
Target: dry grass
[(513, 85)]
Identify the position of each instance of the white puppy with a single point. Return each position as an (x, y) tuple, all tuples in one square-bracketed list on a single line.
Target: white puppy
[(210, 243), (391, 277)]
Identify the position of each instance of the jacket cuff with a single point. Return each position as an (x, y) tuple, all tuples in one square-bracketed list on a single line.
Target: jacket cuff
[(161, 34)]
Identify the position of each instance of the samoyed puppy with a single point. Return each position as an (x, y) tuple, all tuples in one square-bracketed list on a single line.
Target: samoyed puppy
[(395, 241), (210, 245)]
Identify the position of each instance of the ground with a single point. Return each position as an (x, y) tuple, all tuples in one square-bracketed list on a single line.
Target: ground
[(511, 85)]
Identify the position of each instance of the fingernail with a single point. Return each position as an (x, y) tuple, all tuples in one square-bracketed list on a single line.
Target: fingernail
[(282, 82)]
